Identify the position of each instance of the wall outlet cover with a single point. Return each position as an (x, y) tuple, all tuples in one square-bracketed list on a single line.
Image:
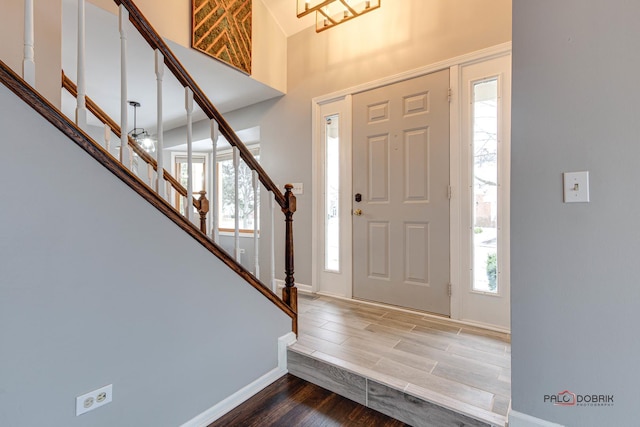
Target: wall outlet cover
[(94, 399)]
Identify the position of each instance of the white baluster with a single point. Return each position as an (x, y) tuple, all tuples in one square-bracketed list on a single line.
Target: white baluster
[(81, 108), (150, 172), (125, 157), (185, 203), (236, 183), (107, 138), (160, 183), (256, 253), (213, 193), (28, 62), (272, 206), (188, 104)]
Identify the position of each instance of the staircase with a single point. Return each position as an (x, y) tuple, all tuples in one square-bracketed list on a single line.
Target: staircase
[(124, 289), (153, 175)]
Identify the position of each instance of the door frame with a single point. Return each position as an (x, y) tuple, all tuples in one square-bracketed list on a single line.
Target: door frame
[(453, 64), (467, 300), (342, 107)]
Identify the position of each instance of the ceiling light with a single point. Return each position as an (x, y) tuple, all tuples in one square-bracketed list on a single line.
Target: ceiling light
[(330, 13)]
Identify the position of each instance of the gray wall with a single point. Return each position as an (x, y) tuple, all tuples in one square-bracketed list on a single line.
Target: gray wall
[(97, 287), (575, 293)]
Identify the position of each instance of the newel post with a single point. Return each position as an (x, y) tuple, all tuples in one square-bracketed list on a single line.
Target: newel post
[(290, 292), (202, 205)]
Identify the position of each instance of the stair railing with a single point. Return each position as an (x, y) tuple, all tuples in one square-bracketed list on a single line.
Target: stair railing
[(157, 177), (201, 204)]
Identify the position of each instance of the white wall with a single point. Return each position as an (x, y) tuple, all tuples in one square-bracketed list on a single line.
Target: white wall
[(269, 45), (98, 287), (47, 43), (575, 293)]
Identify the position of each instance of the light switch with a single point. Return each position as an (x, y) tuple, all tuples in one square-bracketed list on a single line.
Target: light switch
[(298, 188), (576, 187)]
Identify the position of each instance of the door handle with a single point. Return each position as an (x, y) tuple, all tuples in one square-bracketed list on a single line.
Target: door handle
[(357, 212)]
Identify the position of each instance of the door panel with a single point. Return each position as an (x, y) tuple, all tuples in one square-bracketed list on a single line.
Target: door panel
[(378, 249), (401, 168), (378, 168), (416, 237), (416, 171)]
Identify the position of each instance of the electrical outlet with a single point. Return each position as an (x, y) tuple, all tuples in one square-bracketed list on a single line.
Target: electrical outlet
[(94, 399)]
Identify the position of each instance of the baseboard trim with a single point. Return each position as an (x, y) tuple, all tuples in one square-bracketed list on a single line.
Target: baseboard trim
[(283, 343), (420, 313), (518, 419), (301, 287), (245, 393)]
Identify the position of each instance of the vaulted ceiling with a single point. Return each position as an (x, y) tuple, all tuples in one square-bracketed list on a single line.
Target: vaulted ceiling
[(284, 12)]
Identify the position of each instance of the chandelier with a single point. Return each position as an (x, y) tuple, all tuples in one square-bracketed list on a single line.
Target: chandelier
[(330, 13), (139, 135)]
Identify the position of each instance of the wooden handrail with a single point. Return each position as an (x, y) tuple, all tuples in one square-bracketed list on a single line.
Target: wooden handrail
[(54, 116), (156, 42)]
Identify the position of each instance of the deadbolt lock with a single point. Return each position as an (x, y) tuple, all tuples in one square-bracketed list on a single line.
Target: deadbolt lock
[(357, 212)]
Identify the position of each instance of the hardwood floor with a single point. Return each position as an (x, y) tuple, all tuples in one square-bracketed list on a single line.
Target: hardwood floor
[(291, 401), (463, 368)]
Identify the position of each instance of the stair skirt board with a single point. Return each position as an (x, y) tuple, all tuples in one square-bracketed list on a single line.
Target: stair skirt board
[(245, 393), (392, 401)]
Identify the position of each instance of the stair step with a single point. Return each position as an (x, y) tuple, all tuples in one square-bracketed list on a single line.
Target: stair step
[(419, 408)]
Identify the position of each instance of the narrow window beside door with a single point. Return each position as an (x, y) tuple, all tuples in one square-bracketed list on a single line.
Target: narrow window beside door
[(332, 201), (485, 185)]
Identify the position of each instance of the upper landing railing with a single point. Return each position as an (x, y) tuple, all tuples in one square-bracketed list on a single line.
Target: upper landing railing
[(153, 176)]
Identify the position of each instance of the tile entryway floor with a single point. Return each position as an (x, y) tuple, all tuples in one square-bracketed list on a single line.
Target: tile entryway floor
[(466, 368)]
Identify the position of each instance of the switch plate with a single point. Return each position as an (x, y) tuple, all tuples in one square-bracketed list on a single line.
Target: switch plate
[(298, 188), (576, 187)]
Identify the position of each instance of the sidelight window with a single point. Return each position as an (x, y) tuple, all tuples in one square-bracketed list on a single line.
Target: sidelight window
[(485, 185)]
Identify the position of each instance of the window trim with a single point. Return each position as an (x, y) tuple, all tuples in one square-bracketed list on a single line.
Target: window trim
[(226, 154)]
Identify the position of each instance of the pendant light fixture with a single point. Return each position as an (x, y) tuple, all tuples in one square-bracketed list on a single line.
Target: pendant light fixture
[(141, 136), (330, 13)]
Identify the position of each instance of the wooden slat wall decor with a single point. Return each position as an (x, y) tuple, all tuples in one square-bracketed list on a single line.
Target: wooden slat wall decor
[(222, 29)]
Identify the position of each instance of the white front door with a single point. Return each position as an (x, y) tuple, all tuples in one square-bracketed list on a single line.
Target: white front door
[(400, 194)]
